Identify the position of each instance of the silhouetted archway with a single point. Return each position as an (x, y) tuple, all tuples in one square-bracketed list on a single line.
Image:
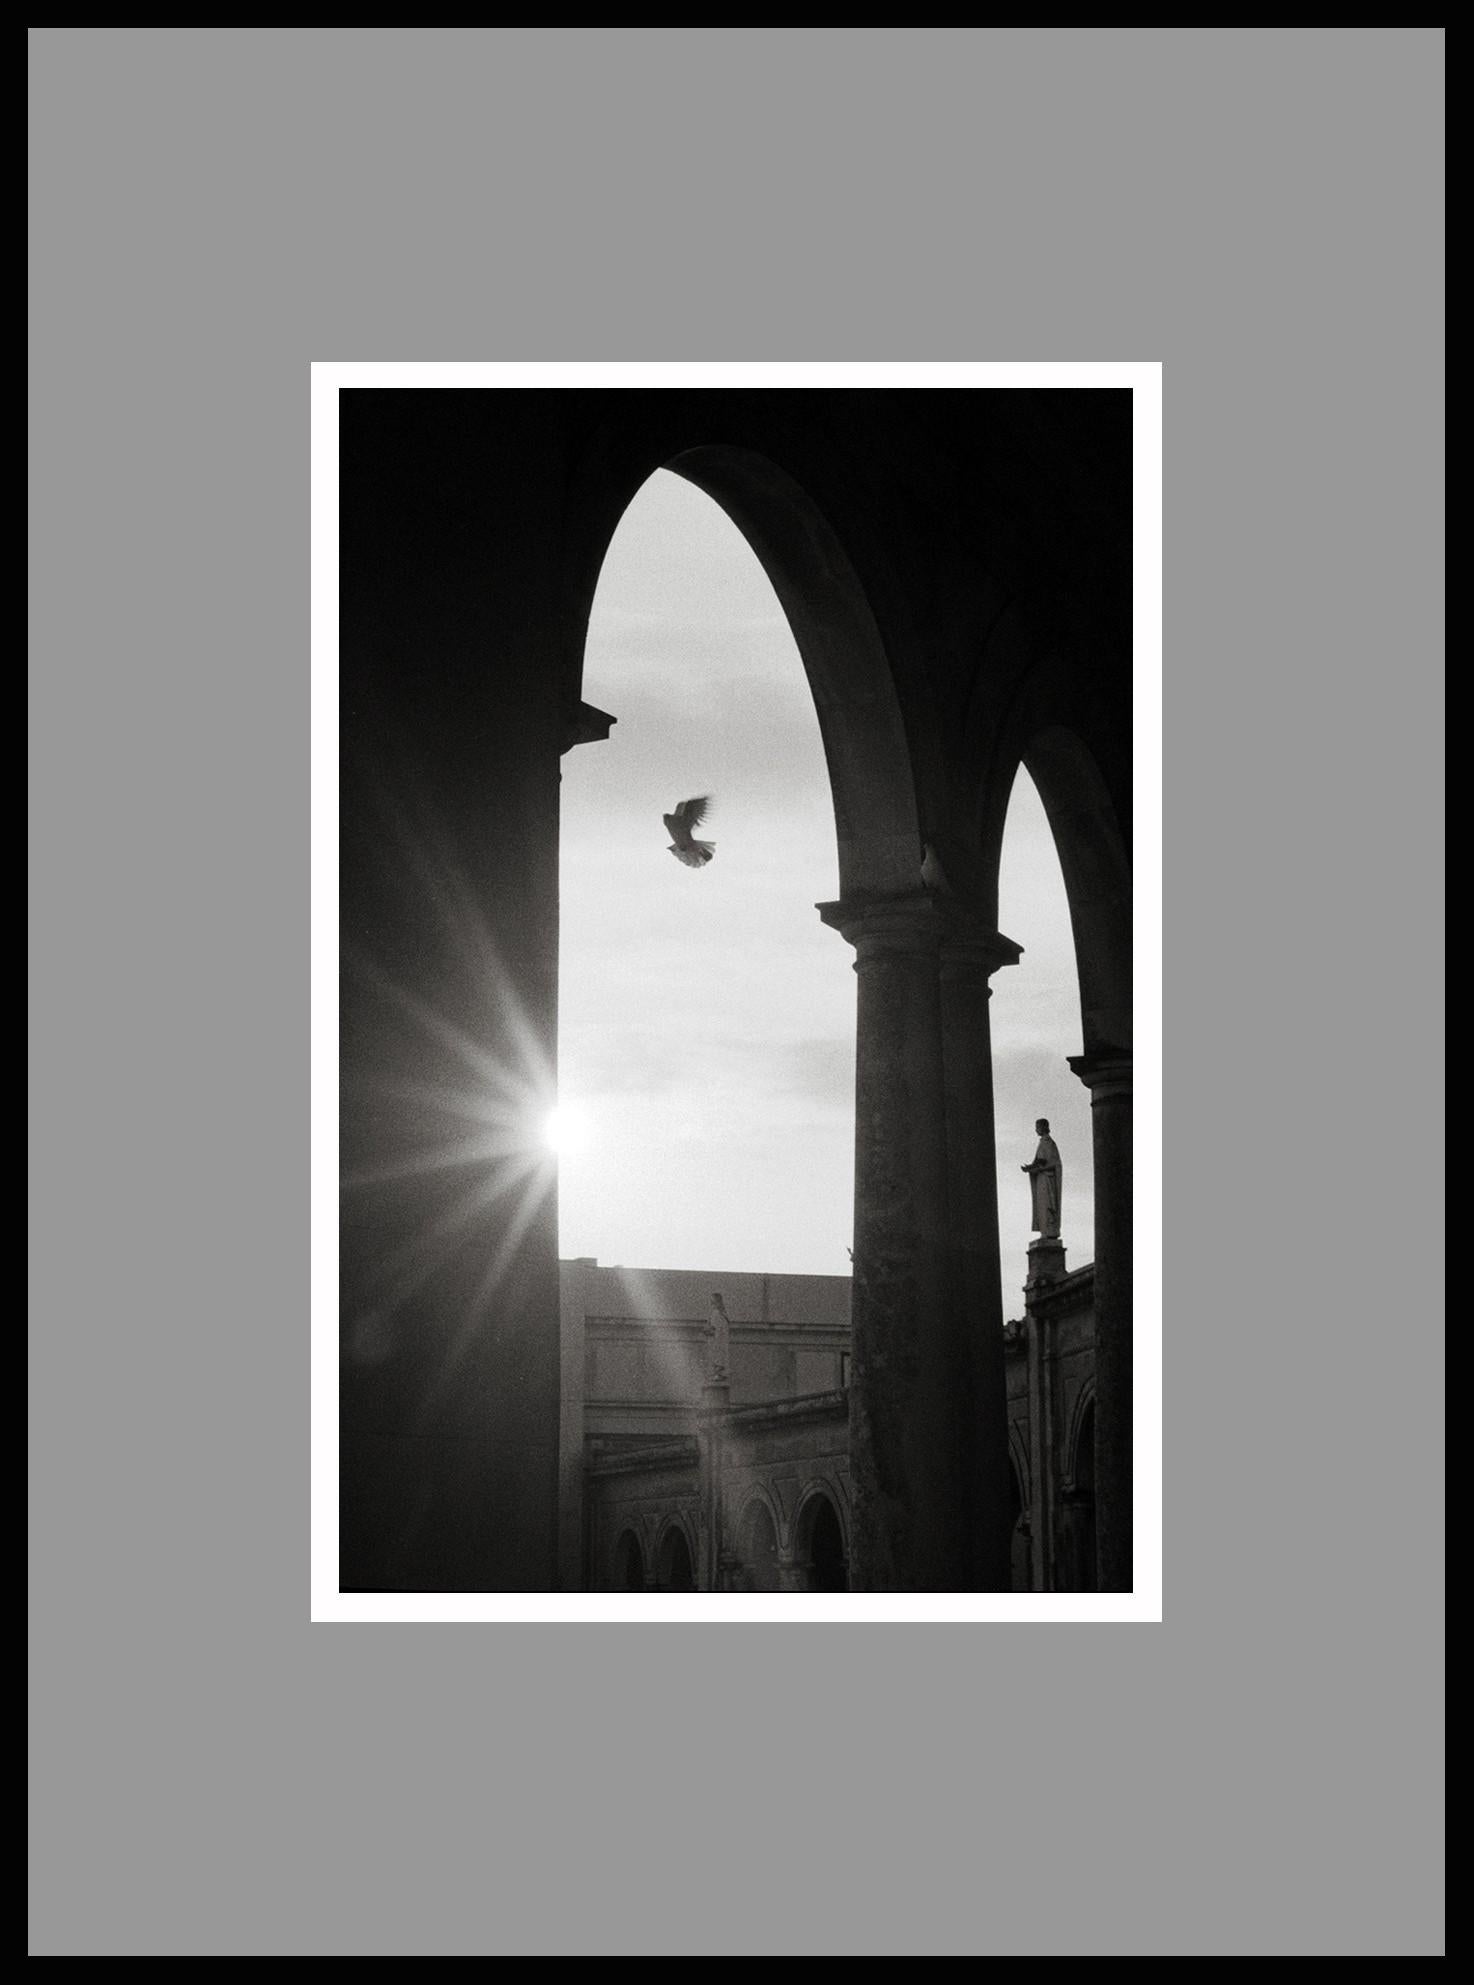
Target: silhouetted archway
[(629, 1564), (1087, 800), (673, 1572), (1097, 870), (829, 609), (1020, 1564), (1079, 1508), (711, 689), (757, 1550), (821, 1547)]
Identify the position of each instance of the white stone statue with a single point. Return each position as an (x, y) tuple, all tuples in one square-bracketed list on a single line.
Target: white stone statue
[(1045, 1175), (718, 1365)]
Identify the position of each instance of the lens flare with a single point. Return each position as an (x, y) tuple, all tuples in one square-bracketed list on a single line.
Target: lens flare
[(566, 1129)]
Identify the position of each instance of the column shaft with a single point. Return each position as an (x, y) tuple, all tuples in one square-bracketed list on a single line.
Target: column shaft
[(1108, 1077), (1041, 1460), (904, 1459), (928, 1430), (976, 1320), (710, 1423)]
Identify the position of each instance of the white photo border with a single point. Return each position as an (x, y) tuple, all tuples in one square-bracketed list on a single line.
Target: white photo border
[(1144, 1604)]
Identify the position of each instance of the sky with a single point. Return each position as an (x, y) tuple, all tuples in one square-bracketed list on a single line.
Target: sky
[(707, 1017)]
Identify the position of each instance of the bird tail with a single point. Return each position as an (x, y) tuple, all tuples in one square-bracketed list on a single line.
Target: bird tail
[(697, 855)]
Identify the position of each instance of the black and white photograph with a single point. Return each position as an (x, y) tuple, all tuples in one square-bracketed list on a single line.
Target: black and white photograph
[(736, 920), (736, 809)]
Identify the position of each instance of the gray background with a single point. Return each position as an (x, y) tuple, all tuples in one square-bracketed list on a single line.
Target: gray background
[(212, 210)]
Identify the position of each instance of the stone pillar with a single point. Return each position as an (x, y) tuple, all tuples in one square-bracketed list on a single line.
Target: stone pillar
[(456, 646), (573, 1570), (791, 1574), (1041, 1499), (710, 1421), (969, 956), (921, 1412), (1107, 1075), (1046, 1266)]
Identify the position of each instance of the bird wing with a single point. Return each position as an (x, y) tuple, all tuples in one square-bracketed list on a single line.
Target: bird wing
[(691, 813)]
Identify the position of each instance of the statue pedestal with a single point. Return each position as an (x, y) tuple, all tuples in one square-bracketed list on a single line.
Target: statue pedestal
[(1046, 1263)]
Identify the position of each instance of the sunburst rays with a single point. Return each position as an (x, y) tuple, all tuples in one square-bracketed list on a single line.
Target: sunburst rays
[(446, 1161)]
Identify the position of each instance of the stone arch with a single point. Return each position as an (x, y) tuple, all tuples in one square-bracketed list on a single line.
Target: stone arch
[(872, 776), (1080, 761), (675, 1558), (1097, 870), (1078, 1511), (830, 1487), (821, 1539), (1019, 1458), (1020, 1538), (627, 1562), (756, 1536), (1081, 1413)]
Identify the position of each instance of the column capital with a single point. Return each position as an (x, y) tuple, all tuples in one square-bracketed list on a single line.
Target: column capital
[(923, 923), (1106, 1073), (791, 1573), (970, 949), (584, 725)]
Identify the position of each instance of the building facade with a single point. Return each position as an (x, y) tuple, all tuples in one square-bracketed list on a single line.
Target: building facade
[(679, 1475)]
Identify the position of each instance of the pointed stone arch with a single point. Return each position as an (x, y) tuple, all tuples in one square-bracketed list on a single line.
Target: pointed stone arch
[(627, 1562), (1080, 761), (867, 751), (821, 1538), (674, 1558)]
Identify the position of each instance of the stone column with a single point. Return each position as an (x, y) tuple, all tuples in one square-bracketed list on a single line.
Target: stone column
[(1041, 1462), (969, 956), (710, 1421), (791, 1574), (1046, 1267), (913, 1383), (1107, 1075)]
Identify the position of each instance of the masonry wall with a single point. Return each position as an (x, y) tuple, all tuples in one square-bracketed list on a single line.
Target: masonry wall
[(635, 1358)]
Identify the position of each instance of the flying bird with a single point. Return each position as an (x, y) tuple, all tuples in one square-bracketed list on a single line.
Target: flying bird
[(688, 815)]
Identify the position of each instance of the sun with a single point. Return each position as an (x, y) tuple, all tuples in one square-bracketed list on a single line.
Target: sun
[(566, 1129)]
